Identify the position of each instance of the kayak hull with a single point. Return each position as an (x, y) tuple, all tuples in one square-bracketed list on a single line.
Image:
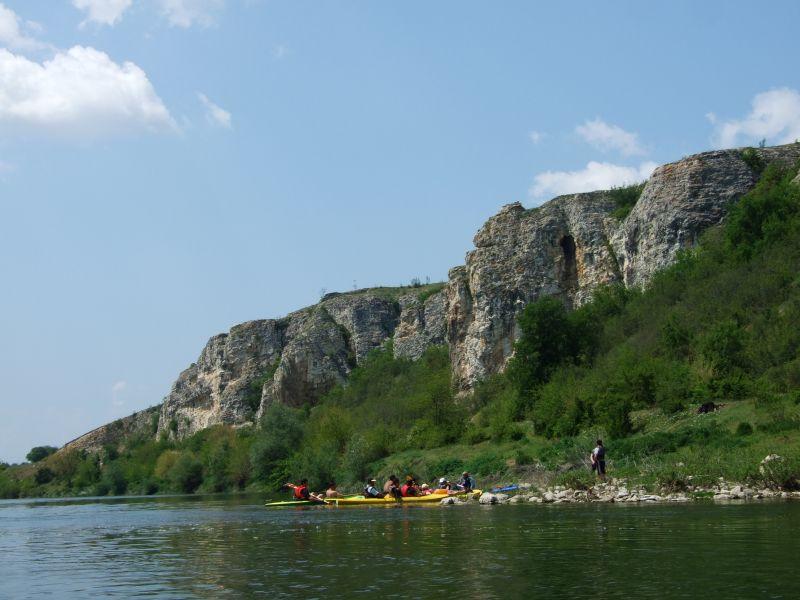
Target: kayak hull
[(295, 503), (389, 501)]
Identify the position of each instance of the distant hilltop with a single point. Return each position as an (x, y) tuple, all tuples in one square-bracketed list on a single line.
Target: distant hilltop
[(565, 248)]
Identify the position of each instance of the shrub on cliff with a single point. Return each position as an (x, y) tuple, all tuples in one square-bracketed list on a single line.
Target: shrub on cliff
[(764, 215)]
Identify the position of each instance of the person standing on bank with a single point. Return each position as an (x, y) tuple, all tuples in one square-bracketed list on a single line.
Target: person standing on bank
[(598, 458)]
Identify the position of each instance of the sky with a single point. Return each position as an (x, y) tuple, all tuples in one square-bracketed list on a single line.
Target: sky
[(169, 168)]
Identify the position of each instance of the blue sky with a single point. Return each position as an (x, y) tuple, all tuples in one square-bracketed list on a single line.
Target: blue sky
[(169, 168)]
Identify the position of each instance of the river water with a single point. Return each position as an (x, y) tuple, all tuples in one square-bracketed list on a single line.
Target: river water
[(216, 547)]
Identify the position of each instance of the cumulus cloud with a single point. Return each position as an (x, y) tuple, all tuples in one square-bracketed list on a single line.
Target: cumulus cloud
[(15, 34), (595, 176), (215, 114), (605, 137), (774, 116), (81, 92), (535, 136), (185, 13), (104, 12)]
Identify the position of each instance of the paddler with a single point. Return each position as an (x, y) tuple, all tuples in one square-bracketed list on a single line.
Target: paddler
[(466, 483), (392, 487), (300, 492), (409, 487), (332, 492), (370, 491)]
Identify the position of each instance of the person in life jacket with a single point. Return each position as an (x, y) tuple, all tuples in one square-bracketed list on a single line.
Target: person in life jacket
[(466, 483), (300, 492), (443, 486), (409, 488), (598, 458), (370, 491), (392, 487)]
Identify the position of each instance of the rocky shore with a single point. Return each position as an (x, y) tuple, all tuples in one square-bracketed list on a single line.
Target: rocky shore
[(618, 491)]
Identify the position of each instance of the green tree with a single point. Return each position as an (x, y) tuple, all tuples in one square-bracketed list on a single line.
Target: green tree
[(277, 439), (40, 453), (186, 474)]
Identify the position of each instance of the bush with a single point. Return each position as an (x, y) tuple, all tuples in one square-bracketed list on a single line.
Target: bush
[(576, 479), (548, 339), (670, 479), (782, 473), (625, 198), (278, 438), (523, 457), (113, 480), (744, 429), (449, 467), (43, 476), (764, 215), (753, 160), (486, 464), (186, 474)]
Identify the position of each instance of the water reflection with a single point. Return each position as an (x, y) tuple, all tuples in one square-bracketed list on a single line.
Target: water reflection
[(210, 548)]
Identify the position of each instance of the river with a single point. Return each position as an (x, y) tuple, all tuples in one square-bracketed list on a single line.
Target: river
[(212, 547)]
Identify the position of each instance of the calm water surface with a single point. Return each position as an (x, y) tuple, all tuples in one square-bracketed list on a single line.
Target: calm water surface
[(223, 547)]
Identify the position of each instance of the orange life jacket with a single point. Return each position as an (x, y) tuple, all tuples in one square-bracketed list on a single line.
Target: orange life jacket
[(301, 492)]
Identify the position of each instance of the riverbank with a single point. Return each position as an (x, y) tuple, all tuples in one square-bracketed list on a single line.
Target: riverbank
[(619, 491)]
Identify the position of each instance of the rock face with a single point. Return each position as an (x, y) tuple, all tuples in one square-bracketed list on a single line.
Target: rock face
[(216, 389), (680, 201), (572, 244), (422, 324), (294, 360), (561, 249), (142, 423), (565, 248)]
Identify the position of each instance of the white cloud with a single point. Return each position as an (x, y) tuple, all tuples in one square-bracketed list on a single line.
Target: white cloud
[(595, 176), (116, 391), (13, 31), (104, 12), (774, 116), (280, 51), (215, 114), (80, 92), (185, 13), (535, 136), (607, 137)]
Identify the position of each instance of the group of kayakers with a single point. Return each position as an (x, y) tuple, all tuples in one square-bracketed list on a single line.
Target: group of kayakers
[(392, 488)]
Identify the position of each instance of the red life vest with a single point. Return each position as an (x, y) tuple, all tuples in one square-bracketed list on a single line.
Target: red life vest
[(408, 490), (301, 492)]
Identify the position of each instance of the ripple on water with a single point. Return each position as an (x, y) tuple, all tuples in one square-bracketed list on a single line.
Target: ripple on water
[(173, 548)]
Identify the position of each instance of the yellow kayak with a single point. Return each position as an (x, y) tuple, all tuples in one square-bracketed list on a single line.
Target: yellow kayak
[(430, 498)]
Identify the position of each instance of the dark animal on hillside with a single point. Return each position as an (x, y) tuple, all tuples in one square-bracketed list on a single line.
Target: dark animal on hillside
[(708, 407)]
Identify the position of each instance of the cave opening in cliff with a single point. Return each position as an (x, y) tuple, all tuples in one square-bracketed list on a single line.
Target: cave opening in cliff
[(569, 270)]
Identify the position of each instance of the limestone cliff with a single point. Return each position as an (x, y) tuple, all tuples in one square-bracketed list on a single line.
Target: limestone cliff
[(565, 248), (297, 359), (572, 244)]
